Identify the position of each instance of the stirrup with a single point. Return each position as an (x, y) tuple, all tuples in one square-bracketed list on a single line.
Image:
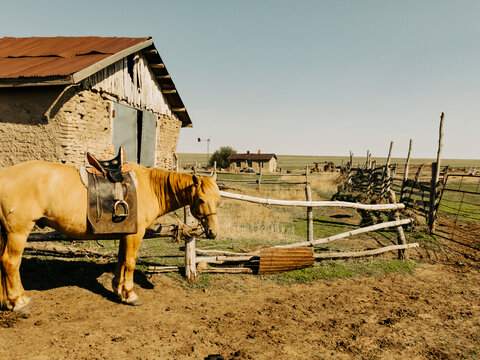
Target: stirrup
[(120, 214)]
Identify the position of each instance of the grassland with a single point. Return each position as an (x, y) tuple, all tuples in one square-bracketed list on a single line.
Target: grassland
[(296, 162)]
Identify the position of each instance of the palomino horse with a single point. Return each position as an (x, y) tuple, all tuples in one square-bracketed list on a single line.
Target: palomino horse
[(53, 194)]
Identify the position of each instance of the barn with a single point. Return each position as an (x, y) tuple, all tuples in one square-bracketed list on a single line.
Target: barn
[(63, 96), (265, 162)]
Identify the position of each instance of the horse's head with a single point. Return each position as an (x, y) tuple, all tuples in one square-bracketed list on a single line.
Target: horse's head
[(204, 204)]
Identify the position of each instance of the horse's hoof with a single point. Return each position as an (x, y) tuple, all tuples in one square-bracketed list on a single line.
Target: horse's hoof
[(133, 300), (23, 308)]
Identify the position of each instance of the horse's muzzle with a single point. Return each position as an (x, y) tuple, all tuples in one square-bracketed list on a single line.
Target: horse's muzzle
[(210, 234)]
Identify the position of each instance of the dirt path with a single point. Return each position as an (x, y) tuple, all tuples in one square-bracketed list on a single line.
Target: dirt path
[(431, 314)]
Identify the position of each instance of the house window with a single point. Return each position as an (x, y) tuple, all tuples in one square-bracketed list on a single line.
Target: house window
[(249, 164), (238, 164)]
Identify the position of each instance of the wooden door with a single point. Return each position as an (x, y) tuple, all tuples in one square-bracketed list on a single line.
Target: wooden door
[(125, 130), (148, 139)]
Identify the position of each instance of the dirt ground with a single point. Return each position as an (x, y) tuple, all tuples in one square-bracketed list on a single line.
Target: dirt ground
[(433, 313)]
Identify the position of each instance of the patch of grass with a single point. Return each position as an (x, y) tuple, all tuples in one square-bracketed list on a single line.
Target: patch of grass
[(345, 269), (424, 237), (202, 282)]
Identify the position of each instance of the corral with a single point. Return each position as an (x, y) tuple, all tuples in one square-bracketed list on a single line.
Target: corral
[(375, 308)]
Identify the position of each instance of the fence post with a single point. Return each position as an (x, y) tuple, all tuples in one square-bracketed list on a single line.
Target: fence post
[(386, 174), (259, 181), (435, 177), (190, 265), (402, 253), (308, 195), (405, 174)]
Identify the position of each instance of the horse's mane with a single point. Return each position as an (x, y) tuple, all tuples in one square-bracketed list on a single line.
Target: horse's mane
[(172, 189)]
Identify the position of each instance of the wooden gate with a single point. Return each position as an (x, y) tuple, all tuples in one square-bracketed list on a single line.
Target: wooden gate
[(458, 215)]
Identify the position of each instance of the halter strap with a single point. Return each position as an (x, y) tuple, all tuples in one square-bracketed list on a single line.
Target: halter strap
[(206, 216)]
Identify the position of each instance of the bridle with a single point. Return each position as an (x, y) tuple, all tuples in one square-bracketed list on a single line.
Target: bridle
[(203, 217), (198, 216)]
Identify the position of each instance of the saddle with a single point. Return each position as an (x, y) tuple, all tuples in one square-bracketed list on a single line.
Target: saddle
[(112, 198)]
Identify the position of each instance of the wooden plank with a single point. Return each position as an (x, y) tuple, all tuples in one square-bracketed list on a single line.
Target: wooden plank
[(225, 253), (190, 263), (348, 233), (252, 199), (355, 254), (49, 81), (223, 259), (161, 269), (222, 270)]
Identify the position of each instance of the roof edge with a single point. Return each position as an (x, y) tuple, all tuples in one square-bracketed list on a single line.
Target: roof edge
[(92, 69)]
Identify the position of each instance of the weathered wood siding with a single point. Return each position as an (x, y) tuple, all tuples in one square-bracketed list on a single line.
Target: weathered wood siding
[(137, 88)]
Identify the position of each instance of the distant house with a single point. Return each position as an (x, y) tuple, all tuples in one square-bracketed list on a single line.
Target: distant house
[(266, 162), (62, 96)]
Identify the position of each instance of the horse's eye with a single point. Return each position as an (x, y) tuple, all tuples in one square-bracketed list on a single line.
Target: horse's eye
[(200, 201)]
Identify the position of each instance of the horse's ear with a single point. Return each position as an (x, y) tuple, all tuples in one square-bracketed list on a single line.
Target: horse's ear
[(196, 180)]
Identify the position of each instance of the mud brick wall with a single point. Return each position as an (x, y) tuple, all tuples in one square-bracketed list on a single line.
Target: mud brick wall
[(60, 124), (51, 124), (168, 130), (25, 134), (85, 125)]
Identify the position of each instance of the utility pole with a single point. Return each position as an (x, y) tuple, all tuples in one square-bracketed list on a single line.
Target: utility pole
[(208, 149)]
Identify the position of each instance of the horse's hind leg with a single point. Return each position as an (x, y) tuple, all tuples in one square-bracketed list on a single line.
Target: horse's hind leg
[(127, 256), (11, 259)]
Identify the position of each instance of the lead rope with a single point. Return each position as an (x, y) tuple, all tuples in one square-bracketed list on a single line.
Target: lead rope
[(185, 229)]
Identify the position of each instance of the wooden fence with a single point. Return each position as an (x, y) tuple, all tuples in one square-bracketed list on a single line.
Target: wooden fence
[(372, 183), (261, 180), (419, 189), (286, 257)]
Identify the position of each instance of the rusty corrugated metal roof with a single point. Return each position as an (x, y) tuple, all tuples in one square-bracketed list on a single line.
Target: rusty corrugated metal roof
[(273, 260), (56, 56), (61, 60), (64, 46), (25, 67)]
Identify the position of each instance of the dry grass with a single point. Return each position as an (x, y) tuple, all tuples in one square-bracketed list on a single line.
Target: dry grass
[(254, 225)]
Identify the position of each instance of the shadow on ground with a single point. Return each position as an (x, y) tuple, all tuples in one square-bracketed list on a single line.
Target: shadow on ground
[(44, 274)]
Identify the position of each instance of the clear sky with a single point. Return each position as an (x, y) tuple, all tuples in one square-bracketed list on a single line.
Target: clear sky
[(299, 77)]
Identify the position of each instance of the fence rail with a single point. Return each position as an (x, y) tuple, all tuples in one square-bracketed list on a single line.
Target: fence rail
[(286, 257)]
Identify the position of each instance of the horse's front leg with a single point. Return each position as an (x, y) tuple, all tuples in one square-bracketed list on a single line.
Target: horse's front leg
[(127, 257)]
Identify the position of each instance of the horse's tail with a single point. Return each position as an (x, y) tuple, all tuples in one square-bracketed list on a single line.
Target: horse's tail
[(3, 244)]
